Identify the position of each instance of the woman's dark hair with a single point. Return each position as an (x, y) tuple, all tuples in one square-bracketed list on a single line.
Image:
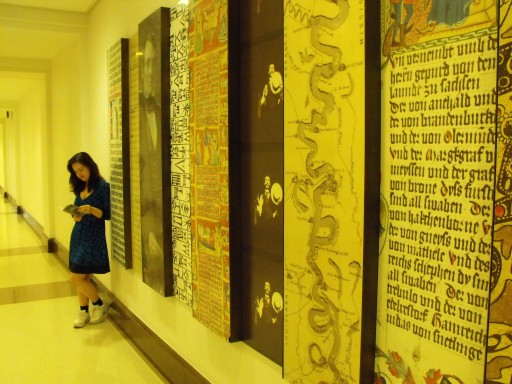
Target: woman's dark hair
[(77, 185)]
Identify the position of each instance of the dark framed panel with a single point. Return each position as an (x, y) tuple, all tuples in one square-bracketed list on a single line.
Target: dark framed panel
[(119, 124), (262, 176), (154, 121), (372, 201)]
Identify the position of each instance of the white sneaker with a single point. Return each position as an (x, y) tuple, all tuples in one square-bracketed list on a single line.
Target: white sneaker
[(82, 319), (97, 314)]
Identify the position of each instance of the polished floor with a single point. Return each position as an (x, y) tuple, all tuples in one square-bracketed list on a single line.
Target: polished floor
[(38, 343)]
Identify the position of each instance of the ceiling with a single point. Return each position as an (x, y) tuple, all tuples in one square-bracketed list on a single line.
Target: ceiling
[(34, 31), (83, 6)]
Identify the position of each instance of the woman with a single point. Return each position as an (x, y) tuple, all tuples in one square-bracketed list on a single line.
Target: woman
[(88, 246)]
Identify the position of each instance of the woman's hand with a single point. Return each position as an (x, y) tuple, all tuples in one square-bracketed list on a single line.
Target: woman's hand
[(90, 210), (86, 209), (77, 218)]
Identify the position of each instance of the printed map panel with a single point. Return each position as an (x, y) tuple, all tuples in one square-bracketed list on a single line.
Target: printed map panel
[(324, 189)]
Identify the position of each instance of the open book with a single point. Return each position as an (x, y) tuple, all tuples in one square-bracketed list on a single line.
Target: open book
[(73, 210)]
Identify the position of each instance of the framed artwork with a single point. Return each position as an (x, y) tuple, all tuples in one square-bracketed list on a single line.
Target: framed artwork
[(119, 124), (436, 216), (180, 155), (262, 176), (154, 142), (214, 167), (331, 199)]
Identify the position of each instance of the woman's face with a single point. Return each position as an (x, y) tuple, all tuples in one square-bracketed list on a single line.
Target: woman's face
[(81, 171)]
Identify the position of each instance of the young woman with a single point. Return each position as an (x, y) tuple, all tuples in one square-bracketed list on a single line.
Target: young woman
[(88, 252)]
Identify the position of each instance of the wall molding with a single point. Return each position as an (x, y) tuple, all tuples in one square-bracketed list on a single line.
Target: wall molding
[(36, 227)]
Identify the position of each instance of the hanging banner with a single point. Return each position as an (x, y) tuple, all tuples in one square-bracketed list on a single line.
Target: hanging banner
[(324, 203), (438, 169), (154, 150), (208, 34), (180, 155), (119, 123)]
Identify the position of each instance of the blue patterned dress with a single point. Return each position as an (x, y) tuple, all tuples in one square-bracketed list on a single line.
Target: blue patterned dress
[(88, 246)]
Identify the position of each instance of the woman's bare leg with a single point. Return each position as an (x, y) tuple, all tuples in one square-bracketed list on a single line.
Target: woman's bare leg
[(85, 288)]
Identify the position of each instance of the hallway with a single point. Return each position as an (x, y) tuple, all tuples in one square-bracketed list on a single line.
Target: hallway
[(37, 309)]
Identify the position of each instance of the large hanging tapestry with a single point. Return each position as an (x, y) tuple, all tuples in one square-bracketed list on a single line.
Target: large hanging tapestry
[(499, 346), (324, 141), (180, 155), (119, 120), (154, 150), (261, 111), (208, 35), (438, 168)]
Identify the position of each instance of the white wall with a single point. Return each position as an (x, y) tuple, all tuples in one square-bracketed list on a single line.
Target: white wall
[(216, 359), (31, 121), (69, 132)]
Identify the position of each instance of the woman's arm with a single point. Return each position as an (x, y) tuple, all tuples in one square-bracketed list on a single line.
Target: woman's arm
[(90, 210), (102, 211)]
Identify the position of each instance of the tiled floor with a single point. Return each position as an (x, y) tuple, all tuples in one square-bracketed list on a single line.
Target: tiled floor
[(38, 343)]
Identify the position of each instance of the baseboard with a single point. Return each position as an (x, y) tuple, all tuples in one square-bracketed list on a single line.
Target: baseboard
[(171, 366), (52, 245), (34, 224), (10, 199), (61, 252), (168, 363)]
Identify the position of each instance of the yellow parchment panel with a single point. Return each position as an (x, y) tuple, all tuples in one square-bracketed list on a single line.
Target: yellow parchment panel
[(324, 175), (438, 167)]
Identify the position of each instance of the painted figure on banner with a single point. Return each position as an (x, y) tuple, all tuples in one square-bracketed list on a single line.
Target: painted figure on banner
[(272, 94), (433, 19), (211, 148), (268, 307), (403, 26), (151, 165), (211, 238), (449, 12), (199, 148), (268, 202), (210, 25)]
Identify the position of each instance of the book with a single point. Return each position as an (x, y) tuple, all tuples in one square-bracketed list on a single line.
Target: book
[(73, 210)]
